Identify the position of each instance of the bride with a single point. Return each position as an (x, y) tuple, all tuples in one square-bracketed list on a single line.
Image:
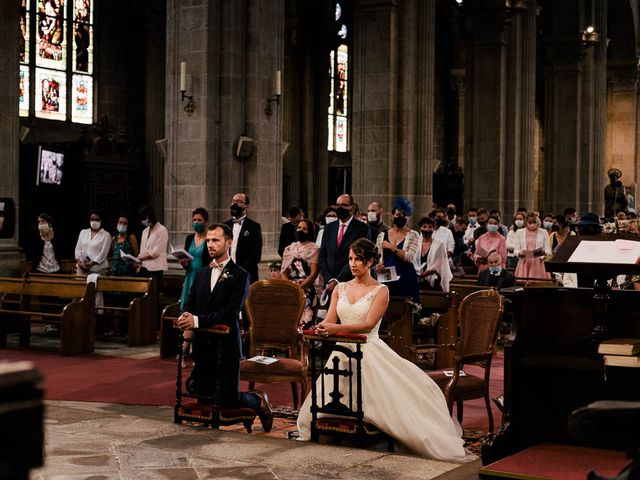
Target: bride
[(398, 397)]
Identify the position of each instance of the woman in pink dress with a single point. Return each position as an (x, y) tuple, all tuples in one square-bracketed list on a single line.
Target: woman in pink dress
[(488, 242), (531, 246)]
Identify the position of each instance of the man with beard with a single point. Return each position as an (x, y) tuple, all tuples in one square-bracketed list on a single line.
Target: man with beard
[(246, 249), (215, 298), (336, 239)]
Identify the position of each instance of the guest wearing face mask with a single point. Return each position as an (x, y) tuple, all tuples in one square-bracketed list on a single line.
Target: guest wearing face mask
[(92, 247), (472, 217), (488, 242), (443, 232), (434, 270), (246, 248), (451, 215), (400, 247), (123, 242), (288, 230), (512, 258), (300, 265), (549, 223), (44, 253), (328, 216), (196, 245), (374, 219), (153, 246), (531, 247), (483, 216), (495, 275)]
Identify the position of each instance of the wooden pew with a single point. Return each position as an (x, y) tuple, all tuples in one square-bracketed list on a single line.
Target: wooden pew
[(141, 311), (67, 266), (76, 318)]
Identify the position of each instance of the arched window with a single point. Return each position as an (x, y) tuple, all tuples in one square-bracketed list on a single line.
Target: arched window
[(339, 88), (56, 60)]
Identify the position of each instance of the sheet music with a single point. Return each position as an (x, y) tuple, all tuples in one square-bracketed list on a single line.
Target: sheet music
[(618, 251)]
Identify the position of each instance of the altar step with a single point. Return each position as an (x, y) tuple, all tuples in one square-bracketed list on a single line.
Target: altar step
[(550, 461)]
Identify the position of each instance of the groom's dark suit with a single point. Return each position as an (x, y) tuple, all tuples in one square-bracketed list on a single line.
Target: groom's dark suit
[(333, 260), (215, 307)]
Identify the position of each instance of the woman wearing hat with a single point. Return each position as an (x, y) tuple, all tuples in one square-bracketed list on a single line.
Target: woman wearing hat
[(615, 198), (531, 246)]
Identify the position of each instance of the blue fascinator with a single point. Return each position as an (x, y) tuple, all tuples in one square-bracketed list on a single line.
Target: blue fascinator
[(403, 204)]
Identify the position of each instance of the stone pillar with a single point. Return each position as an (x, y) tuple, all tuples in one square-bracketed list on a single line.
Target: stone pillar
[(9, 184), (485, 162), (458, 84)]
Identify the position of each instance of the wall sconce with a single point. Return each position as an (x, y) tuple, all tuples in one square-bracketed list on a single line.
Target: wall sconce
[(277, 91), (590, 36), (190, 106)]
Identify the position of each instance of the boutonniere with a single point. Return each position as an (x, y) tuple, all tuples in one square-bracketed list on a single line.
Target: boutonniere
[(226, 275), (246, 233)]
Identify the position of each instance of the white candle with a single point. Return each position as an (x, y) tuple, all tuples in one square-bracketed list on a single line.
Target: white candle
[(278, 83), (183, 76)]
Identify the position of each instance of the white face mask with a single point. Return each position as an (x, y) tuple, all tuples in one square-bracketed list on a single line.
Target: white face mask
[(95, 225), (372, 217), (122, 228), (44, 228), (519, 223), (328, 220)]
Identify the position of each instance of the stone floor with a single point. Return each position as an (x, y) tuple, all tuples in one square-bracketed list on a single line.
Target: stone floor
[(94, 441)]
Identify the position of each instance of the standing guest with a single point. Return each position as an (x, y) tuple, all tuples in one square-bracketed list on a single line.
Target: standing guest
[(92, 247), (399, 247), (443, 233), (518, 222), (374, 219), (328, 217), (556, 239), (300, 265), (483, 217), (196, 245), (44, 253), (488, 242), (451, 215), (549, 223), (216, 297), (571, 215), (246, 248), (501, 227), (495, 275), (472, 218), (434, 270), (288, 229), (153, 246), (333, 260), (123, 242), (531, 247)]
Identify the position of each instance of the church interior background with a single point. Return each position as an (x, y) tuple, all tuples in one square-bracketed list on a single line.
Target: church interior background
[(180, 104)]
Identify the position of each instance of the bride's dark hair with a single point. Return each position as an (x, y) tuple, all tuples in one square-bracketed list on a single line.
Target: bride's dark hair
[(365, 250)]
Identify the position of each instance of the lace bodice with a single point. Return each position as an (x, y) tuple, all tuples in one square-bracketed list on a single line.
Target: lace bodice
[(350, 313)]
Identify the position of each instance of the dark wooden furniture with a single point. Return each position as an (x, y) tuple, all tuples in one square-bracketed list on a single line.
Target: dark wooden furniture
[(169, 334), (274, 308), (340, 356), (399, 324), (21, 420), (203, 395), (76, 318), (479, 318)]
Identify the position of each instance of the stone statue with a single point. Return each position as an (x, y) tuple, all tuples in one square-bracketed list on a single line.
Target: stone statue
[(615, 198)]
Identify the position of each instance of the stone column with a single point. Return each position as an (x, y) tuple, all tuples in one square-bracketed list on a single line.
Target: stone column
[(9, 184), (458, 84)]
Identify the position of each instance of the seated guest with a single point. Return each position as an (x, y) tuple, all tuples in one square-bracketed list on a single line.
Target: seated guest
[(288, 229), (490, 241), (518, 222), (398, 247), (434, 270), (300, 265), (274, 270), (123, 242), (531, 247), (495, 275)]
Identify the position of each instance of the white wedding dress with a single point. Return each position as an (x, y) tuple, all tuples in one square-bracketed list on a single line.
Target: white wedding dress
[(397, 396)]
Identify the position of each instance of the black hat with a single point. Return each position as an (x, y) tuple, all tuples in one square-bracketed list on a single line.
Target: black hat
[(588, 218)]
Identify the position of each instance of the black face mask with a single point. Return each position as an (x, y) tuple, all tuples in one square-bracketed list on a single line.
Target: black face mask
[(451, 213), (442, 222), (343, 213), (427, 233), (400, 222), (302, 236), (236, 210), (482, 223)]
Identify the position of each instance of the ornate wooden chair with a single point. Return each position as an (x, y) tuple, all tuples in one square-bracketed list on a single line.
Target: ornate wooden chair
[(274, 308), (204, 390), (340, 419), (479, 316)]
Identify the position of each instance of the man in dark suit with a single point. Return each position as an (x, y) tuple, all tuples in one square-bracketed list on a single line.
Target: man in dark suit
[(288, 230), (334, 251), (216, 297), (495, 275), (246, 249)]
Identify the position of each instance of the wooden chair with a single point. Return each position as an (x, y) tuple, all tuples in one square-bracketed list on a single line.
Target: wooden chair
[(479, 316), (274, 308)]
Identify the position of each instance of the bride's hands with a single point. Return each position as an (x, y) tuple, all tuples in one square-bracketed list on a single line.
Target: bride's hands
[(327, 329)]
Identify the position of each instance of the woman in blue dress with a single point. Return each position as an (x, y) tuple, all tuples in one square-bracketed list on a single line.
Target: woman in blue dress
[(196, 245), (399, 247)]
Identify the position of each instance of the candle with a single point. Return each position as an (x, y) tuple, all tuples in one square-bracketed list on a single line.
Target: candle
[(278, 81), (183, 76)]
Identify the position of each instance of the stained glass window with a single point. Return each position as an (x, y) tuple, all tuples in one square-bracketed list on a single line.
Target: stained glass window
[(56, 64), (338, 111)]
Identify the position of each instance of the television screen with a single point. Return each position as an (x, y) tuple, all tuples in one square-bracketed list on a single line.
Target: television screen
[(49, 167)]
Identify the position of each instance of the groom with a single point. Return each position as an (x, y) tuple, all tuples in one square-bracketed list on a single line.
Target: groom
[(216, 297)]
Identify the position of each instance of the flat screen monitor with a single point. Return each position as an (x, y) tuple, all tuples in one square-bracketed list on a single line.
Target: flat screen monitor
[(50, 165)]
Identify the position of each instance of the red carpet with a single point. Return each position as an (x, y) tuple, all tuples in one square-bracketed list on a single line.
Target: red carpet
[(96, 378)]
